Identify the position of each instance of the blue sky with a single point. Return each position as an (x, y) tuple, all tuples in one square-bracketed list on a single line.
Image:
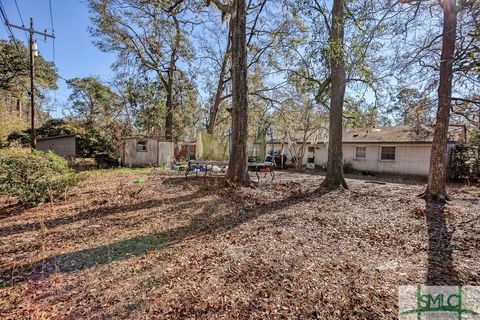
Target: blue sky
[(75, 54)]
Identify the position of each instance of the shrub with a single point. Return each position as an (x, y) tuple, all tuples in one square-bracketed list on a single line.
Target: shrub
[(35, 177), (89, 139), (348, 168), (19, 138), (464, 163)]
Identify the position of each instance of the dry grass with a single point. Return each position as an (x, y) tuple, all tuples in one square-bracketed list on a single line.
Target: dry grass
[(170, 248)]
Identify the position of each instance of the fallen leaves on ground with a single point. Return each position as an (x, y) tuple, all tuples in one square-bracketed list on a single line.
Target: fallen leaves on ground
[(172, 248)]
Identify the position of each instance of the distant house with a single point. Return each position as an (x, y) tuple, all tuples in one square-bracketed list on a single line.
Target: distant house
[(142, 152), (395, 150), (64, 146)]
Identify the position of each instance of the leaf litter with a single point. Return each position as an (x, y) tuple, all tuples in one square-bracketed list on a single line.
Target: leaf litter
[(175, 249)]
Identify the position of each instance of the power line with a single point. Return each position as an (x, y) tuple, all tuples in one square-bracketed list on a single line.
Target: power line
[(53, 29), (21, 18), (51, 15), (60, 77), (9, 30), (3, 11), (53, 49), (7, 26), (32, 32), (5, 20), (53, 42)]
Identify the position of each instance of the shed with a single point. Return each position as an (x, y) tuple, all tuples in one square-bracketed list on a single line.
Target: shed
[(64, 146), (143, 151)]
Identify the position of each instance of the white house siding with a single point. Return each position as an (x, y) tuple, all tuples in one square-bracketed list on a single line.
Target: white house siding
[(409, 159), (321, 155)]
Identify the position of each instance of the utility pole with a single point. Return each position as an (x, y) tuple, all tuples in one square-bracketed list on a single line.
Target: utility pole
[(33, 141), (33, 53)]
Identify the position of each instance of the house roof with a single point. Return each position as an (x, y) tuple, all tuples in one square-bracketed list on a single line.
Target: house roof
[(392, 135), (296, 136), (140, 137), (56, 137), (400, 134)]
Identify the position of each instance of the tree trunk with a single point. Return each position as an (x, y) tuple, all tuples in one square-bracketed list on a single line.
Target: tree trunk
[(170, 80), (334, 178), (237, 168), (300, 155), (169, 105), (218, 95), (438, 158)]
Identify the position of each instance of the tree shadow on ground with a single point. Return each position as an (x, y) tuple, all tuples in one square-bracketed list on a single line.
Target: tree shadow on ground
[(441, 268), (10, 210), (101, 212), (202, 224), (374, 178), (200, 180)]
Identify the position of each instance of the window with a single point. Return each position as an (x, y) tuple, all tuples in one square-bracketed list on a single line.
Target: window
[(360, 152), (142, 146), (311, 155), (388, 153)]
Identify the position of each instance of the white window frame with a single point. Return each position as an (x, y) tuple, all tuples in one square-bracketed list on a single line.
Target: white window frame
[(394, 154), (360, 158)]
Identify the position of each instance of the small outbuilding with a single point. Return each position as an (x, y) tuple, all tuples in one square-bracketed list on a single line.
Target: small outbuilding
[(64, 146), (143, 152)]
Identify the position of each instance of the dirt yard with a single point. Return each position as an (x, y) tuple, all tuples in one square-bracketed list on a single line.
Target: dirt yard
[(174, 249)]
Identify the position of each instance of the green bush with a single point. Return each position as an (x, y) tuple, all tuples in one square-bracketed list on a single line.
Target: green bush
[(89, 139), (35, 177)]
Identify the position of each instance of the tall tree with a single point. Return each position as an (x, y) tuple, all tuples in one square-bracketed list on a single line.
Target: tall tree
[(331, 54), (15, 71), (438, 161), (148, 35), (264, 37), (301, 120), (334, 178), (359, 114), (93, 102), (14, 86), (219, 97), (145, 104), (450, 35), (412, 107), (237, 172), (237, 166), (97, 107)]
